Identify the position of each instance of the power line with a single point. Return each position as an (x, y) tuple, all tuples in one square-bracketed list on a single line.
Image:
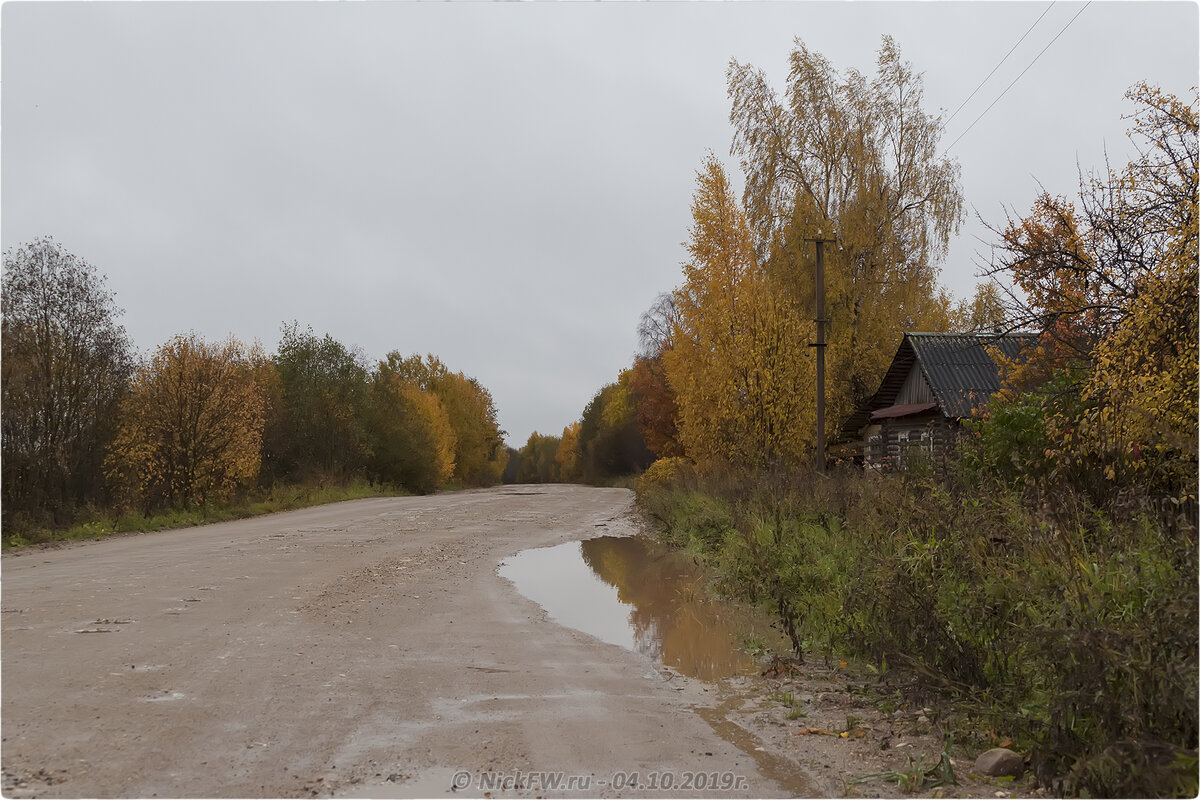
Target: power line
[(1006, 55), (1031, 63)]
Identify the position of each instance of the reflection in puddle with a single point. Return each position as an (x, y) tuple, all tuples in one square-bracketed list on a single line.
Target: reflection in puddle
[(642, 596)]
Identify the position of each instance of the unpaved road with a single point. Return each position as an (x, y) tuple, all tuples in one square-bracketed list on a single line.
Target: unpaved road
[(366, 648)]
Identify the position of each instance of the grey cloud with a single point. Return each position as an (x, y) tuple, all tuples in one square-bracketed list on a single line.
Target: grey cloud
[(505, 185)]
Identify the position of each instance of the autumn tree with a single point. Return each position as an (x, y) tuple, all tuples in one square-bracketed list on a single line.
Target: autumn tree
[(656, 408), (319, 432), (191, 427), (538, 463), (412, 441), (984, 312), (479, 454), (656, 326), (275, 423), (63, 371), (739, 365), (851, 157), (1045, 257), (1112, 286), (567, 456), (610, 439)]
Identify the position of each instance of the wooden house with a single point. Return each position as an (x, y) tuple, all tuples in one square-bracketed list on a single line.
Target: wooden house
[(936, 380)]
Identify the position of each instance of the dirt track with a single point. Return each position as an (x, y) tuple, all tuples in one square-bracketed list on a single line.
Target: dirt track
[(366, 648)]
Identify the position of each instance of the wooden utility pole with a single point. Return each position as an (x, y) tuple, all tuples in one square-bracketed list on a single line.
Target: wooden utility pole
[(819, 458)]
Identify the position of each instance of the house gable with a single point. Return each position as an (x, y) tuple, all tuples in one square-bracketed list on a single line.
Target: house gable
[(915, 388), (934, 380)]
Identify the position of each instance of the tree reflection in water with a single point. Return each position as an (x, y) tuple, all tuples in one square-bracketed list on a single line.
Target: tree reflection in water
[(673, 619)]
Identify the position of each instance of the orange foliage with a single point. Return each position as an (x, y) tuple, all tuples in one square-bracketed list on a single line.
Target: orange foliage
[(190, 430), (656, 406)]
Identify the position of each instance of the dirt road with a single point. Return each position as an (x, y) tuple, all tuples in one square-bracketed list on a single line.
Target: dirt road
[(366, 648)]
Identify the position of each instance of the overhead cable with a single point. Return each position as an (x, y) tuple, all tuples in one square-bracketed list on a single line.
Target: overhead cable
[(1031, 63), (1006, 55)]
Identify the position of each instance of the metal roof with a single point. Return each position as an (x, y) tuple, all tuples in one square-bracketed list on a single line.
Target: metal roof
[(956, 366), (959, 368)]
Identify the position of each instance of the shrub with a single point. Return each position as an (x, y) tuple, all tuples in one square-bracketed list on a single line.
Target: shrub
[(1073, 630), (663, 473)]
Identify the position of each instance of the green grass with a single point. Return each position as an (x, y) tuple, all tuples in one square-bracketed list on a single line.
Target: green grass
[(1066, 625), (271, 501), (753, 644), (920, 774)]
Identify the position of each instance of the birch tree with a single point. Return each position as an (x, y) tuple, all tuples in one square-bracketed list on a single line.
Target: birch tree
[(853, 157), (412, 441), (479, 453)]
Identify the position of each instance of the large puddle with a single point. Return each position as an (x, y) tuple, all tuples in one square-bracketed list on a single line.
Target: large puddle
[(643, 596)]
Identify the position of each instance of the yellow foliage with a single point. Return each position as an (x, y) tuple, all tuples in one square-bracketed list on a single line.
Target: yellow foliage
[(983, 313), (1113, 288), (567, 455), (479, 455), (854, 157), (433, 415), (539, 460), (663, 472), (190, 430), (1145, 370), (619, 405), (740, 366)]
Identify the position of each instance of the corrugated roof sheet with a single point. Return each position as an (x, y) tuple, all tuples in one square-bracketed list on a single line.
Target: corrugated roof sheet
[(959, 368), (956, 365)]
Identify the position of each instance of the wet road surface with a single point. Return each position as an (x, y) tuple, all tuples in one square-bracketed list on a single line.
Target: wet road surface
[(366, 648)]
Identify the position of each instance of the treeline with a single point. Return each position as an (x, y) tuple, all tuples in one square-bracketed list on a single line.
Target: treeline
[(724, 376), (1047, 579), (89, 426), (604, 445)]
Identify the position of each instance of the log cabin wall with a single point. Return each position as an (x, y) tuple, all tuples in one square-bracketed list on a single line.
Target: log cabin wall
[(894, 443)]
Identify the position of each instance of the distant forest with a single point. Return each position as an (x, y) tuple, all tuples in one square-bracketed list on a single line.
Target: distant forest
[(89, 427)]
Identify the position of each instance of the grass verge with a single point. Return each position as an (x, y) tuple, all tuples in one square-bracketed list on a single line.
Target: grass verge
[(1062, 625), (97, 525)]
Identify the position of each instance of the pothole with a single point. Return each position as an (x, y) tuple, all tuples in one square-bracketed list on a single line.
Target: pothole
[(645, 597)]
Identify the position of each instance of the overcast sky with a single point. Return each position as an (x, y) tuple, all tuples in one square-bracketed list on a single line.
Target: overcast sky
[(506, 185)]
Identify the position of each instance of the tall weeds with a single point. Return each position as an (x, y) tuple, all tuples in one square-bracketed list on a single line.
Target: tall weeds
[(97, 524), (1070, 626)]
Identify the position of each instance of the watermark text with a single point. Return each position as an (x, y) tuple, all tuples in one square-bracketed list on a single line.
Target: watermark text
[(560, 781)]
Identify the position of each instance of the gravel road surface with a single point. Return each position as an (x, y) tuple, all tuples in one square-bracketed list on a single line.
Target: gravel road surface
[(364, 649)]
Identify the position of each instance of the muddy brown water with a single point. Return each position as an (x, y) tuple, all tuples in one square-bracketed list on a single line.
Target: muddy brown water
[(641, 595)]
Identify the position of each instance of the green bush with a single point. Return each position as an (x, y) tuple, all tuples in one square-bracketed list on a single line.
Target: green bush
[(1012, 443), (1070, 628)]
